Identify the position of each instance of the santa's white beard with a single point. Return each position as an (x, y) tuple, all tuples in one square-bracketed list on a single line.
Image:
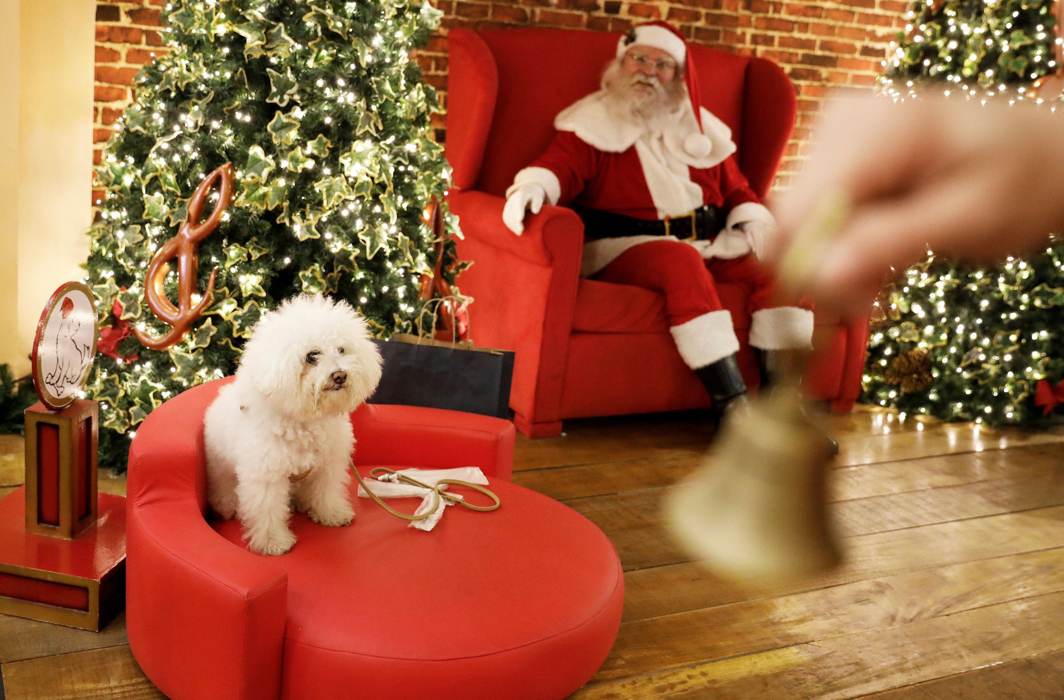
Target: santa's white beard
[(639, 96)]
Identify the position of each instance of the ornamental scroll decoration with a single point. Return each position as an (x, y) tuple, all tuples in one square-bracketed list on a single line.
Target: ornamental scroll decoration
[(184, 247)]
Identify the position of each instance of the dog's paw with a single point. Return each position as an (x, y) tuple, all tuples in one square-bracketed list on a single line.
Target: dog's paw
[(333, 517), (273, 543)]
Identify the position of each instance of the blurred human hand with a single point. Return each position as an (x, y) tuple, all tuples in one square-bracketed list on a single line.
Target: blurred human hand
[(968, 181)]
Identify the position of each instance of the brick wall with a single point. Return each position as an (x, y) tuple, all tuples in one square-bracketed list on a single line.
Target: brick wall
[(821, 45)]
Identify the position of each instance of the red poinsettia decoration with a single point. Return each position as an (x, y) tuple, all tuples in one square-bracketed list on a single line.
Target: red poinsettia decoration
[(111, 336), (1048, 396)]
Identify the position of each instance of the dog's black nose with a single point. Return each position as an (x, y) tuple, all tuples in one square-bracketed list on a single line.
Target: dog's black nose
[(339, 377)]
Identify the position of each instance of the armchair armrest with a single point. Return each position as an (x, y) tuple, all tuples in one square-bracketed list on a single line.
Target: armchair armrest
[(554, 234), (524, 296), (432, 438)]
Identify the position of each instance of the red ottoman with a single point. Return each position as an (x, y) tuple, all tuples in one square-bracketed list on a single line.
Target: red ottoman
[(524, 602)]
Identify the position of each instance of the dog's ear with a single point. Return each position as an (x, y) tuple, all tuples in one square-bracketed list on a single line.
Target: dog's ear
[(271, 362), (365, 355)]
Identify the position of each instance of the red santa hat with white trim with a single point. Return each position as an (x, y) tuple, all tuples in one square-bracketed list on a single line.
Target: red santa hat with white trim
[(662, 35)]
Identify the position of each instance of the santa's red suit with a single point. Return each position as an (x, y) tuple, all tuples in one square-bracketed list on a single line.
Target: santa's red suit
[(603, 160)]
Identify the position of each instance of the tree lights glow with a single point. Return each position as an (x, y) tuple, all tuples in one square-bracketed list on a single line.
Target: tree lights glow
[(327, 124)]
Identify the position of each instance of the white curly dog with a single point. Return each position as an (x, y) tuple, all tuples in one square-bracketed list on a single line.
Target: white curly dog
[(279, 434)]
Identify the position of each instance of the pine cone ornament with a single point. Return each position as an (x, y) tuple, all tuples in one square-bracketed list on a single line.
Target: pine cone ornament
[(910, 371)]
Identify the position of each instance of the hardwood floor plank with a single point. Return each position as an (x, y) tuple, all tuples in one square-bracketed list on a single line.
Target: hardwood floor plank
[(864, 661), (1036, 677), (862, 481), (686, 586), (604, 478), (620, 438), (28, 639), (942, 439), (812, 616), (100, 673), (916, 508)]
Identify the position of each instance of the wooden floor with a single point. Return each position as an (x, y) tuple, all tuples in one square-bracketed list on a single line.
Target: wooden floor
[(953, 585)]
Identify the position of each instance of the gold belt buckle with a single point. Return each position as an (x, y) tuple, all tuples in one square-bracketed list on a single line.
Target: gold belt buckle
[(694, 226), (667, 218)]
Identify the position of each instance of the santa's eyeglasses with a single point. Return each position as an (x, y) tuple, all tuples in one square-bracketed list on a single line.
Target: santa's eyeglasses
[(660, 65)]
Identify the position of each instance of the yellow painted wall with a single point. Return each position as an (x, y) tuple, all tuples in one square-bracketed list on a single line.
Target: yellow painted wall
[(46, 109)]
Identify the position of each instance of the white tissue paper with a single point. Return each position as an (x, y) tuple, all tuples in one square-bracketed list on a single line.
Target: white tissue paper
[(389, 489)]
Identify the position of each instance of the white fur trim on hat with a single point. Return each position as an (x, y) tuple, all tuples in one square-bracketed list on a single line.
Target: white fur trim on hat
[(706, 339), (781, 328), (538, 176), (659, 38)]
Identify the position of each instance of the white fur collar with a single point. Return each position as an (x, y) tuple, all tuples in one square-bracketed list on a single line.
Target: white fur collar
[(597, 124)]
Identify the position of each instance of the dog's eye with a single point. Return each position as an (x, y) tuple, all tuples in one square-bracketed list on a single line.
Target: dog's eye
[(312, 357), (340, 350)]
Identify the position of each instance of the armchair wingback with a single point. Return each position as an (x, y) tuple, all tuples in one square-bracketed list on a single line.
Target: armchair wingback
[(585, 347)]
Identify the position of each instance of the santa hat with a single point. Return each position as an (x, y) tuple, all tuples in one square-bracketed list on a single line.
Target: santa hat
[(662, 35)]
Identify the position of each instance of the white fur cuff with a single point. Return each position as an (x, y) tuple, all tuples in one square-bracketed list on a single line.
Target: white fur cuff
[(781, 328), (705, 339), (538, 176), (750, 211)]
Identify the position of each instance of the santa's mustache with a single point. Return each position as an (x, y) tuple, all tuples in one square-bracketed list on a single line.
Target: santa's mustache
[(648, 81)]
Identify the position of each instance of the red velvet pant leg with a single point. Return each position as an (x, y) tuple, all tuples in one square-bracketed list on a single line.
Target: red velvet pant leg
[(698, 322), (672, 268), (760, 278)]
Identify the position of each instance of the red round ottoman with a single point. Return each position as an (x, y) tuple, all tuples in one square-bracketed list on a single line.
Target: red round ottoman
[(523, 602)]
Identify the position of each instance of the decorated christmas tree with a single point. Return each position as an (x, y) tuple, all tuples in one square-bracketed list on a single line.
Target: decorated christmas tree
[(962, 343), (324, 117)]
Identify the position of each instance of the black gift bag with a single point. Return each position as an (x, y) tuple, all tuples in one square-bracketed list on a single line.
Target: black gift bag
[(437, 374)]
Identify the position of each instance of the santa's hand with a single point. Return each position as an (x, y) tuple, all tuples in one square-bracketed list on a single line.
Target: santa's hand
[(758, 234), (518, 199)]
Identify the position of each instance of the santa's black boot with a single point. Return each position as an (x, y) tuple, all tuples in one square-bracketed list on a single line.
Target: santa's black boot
[(767, 366), (724, 384)]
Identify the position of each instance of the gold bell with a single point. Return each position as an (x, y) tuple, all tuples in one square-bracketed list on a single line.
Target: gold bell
[(757, 507)]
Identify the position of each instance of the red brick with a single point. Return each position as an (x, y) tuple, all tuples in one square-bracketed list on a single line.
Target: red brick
[(598, 24), (707, 36), (775, 24), (118, 35), (106, 55), (97, 156), (857, 64), (145, 17), (803, 10), (839, 16), (560, 19), (471, 10), (115, 76), (585, 5), (841, 47), (109, 116), (763, 40), (806, 74), (108, 93), (794, 42), (108, 13), (154, 39), (100, 135), (818, 59), (642, 10), (679, 14), (822, 29), (139, 57), (509, 13)]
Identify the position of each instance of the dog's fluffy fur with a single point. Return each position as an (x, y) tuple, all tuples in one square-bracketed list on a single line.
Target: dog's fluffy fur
[(280, 435)]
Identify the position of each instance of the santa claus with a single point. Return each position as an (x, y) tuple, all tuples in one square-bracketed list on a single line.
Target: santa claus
[(653, 176)]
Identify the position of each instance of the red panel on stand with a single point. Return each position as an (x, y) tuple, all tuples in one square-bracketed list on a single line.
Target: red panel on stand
[(82, 473), (48, 470)]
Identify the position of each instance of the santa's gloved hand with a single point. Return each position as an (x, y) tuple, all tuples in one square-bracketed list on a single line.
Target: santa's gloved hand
[(520, 198), (758, 234)]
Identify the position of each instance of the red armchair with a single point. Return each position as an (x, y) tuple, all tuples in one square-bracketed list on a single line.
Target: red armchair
[(584, 347), (521, 603)]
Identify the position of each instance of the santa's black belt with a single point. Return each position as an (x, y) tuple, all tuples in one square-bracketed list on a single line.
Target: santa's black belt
[(702, 223)]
